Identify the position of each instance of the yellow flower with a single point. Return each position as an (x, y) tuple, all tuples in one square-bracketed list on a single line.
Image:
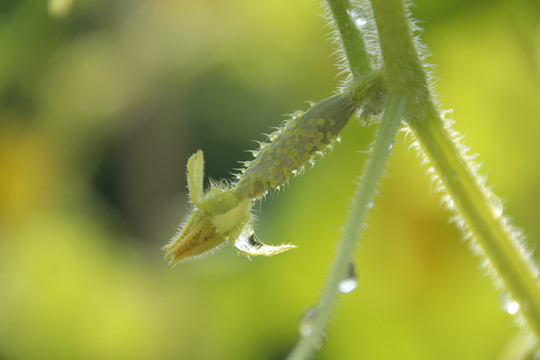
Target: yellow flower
[(218, 215)]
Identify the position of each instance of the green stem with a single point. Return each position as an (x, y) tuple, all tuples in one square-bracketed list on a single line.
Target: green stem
[(351, 38), (490, 230), (402, 67), (307, 346), (475, 204)]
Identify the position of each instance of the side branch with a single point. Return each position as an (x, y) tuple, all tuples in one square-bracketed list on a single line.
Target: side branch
[(353, 43)]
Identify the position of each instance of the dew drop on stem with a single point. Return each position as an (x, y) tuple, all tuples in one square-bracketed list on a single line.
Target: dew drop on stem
[(509, 305), (305, 324), (359, 21), (497, 207), (447, 114), (350, 282), (307, 327)]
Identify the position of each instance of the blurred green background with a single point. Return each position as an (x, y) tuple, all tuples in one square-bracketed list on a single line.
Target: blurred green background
[(100, 108)]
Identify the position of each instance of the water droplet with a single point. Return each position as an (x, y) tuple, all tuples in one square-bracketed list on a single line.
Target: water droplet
[(306, 327), (447, 114), (359, 21), (391, 147), (370, 204), (244, 243), (498, 207), (350, 282), (305, 324), (509, 305)]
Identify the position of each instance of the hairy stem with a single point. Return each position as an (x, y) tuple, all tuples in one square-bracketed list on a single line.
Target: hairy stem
[(364, 195), (475, 204), (351, 38), (499, 243)]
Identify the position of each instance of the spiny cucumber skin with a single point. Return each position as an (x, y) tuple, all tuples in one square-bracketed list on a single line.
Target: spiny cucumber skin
[(298, 141)]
